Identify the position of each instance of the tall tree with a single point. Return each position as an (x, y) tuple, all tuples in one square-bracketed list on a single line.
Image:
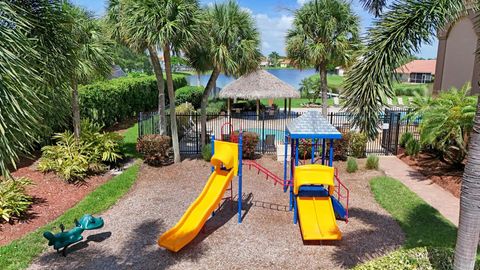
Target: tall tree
[(91, 57), (134, 24), (324, 32), (230, 44), (395, 36), (274, 58)]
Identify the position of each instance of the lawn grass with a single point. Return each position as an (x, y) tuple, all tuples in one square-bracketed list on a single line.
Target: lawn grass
[(129, 142), (423, 225), (19, 253)]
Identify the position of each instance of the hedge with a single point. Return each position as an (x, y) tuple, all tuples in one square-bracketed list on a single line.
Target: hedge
[(109, 102), (190, 94)]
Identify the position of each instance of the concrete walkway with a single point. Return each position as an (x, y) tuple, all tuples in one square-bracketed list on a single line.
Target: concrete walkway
[(440, 199)]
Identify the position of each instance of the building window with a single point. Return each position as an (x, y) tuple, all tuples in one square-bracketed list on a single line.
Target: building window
[(421, 77)]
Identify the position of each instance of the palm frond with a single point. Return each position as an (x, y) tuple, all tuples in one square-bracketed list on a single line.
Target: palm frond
[(394, 37)]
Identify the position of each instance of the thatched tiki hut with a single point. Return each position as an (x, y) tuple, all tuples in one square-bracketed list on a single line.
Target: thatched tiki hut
[(258, 85)]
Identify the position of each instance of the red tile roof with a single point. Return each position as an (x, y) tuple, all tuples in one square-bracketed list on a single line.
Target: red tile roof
[(418, 66)]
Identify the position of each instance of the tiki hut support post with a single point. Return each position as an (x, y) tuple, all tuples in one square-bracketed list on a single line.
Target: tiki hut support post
[(228, 107), (258, 109)]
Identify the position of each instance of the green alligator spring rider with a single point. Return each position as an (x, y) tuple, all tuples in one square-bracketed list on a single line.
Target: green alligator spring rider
[(64, 238)]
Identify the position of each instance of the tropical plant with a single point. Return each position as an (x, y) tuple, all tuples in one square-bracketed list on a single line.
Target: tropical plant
[(372, 162), (229, 44), (91, 57), (405, 138), (74, 159), (309, 88), (447, 123), (397, 34), (352, 165), (190, 94), (129, 25), (412, 148), (14, 200), (324, 32), (357, 144)]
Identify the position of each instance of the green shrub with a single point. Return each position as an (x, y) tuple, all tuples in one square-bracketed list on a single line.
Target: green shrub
[(73, 160), (109, 102), (412, 148), (14, 200), (405, 138), (190, 94), (207, 152), (357, 144), (409, 90), (372, 162), (250, 141), (155, 149), (352, 165), (415, 258)]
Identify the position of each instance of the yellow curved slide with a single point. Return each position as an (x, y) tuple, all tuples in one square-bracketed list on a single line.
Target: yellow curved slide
[(317, 219), (197, 214)]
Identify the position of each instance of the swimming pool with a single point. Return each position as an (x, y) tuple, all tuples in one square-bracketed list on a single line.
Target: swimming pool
[(279, 134)]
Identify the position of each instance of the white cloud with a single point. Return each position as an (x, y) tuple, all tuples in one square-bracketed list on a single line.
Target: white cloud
[(302, 2), (273, 31), (249, 11)]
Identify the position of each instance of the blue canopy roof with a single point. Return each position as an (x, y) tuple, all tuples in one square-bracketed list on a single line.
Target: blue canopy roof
[(312, 125)]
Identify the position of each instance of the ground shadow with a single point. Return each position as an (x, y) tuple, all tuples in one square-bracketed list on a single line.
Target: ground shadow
[(359, 246), (100, 237)]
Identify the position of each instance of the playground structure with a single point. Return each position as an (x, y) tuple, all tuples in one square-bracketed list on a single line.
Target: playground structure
[(312, 187)]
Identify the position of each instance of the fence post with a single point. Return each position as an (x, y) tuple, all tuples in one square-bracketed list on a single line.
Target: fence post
[(196, 131), (262, 139), (139, 125), (398, 133), (331, 118)]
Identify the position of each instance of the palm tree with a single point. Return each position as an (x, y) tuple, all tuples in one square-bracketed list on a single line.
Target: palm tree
[(325, 32), (230, 45), (274, 57), (395, 36), (129, 26), (91, 57), (35, 49)]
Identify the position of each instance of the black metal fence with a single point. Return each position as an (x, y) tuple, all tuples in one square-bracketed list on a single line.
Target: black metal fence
[(271, 129)]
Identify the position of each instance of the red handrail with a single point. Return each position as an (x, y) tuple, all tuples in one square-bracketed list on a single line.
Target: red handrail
[(221, 129), (269, 174), (339, 187)]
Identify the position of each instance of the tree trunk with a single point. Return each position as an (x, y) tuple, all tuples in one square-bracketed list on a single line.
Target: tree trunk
[(324, 88), (157, 69), (469, 224), (75, 110), (171, 97), (203, 110)]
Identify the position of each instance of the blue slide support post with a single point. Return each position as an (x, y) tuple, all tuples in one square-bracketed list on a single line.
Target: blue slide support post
[(292, 166), (313, 151), (240, 167), (331, 153), (285, 165), (323, 151)]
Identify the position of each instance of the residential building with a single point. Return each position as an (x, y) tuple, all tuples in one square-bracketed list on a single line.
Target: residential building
[(456, 57), (417, 71), (285, 63)]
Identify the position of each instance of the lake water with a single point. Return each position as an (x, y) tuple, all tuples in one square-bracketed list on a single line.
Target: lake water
[(290, 76)]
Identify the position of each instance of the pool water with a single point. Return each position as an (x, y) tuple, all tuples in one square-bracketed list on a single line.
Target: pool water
[(279, 134)]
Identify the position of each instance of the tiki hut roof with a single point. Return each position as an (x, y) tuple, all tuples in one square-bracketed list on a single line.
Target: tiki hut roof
[(257, 85)]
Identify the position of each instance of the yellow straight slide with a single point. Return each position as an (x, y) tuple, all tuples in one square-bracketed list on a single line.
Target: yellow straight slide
[(317, 219), (197, 214)]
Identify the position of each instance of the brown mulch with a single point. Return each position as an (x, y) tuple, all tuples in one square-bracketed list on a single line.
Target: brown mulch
[(267, 238), (51, 197), (439, 172)]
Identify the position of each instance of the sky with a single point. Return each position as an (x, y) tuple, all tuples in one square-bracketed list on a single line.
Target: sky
[(274, 18)]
